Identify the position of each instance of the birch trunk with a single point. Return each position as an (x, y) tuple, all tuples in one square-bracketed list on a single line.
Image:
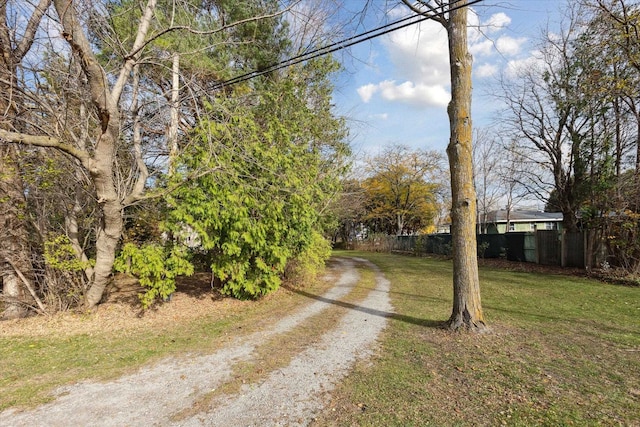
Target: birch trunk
[(173, 126)]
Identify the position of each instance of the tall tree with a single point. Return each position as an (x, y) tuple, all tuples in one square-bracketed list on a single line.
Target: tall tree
[(610, 50), (349, 211), (611, 41), (467, 307), (487, 156), (546, 111), (566, 112)]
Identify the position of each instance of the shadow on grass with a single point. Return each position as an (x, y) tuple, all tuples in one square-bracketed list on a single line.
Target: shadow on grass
[(569, 320), (429, 323)]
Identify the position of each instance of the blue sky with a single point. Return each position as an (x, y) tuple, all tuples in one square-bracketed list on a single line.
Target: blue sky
[(395, 88)]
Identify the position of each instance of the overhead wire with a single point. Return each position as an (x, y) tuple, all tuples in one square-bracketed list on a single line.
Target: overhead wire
[(343, 44)]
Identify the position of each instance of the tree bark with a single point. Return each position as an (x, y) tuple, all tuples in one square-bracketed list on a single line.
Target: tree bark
[(636, 175), (467, 309), (100, 165), (172, 137)]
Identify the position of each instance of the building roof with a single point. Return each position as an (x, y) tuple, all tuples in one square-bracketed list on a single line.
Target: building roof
[(523, 215)]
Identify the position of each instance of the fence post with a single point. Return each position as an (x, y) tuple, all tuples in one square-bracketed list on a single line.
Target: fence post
[(587, 249), (563, 248)]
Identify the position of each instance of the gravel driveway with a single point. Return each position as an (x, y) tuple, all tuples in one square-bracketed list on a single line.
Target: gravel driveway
[(288, 396)]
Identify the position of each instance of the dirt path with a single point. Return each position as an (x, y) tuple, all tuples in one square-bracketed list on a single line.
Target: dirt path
[(288, 396)]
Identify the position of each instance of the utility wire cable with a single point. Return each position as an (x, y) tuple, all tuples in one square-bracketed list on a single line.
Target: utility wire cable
[(336, 46), (343, 44), (326, 48)]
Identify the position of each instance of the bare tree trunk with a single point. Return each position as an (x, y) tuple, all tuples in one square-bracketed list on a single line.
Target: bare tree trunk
[(399, 224), (73, 232), (71, 217), (467, 309), (100, 164), (636, 175), (173, 126)]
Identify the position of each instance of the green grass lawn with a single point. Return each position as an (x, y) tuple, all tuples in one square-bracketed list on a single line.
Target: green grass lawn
[(561, 351)]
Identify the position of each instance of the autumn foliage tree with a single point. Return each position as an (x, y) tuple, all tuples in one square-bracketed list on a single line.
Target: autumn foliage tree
[(402, 190)]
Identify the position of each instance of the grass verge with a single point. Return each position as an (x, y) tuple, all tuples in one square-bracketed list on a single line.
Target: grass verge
[(561, 351)]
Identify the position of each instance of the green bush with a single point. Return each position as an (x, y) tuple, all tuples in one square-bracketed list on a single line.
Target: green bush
[(156, 267), (309, 263)]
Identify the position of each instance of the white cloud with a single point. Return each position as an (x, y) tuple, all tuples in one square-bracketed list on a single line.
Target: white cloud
[(367, 91), (509, 46), (420, 53), (418, 95), (505, 45), (485, 70), (497, 22), (483, 48), (478, 30), (419, 59), (516, 67)]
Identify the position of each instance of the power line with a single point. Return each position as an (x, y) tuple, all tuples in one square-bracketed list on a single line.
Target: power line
[(343, 44), (327, 49)]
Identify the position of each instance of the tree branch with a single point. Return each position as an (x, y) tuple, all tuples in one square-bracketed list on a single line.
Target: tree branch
[(73, 33), (423, 7), (136, 49), (138, 45), (32, 26), (28, 285), (135, 198), (143, 172), (46, 141)]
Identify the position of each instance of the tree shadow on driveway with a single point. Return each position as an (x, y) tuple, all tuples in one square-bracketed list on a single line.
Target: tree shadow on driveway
[(430, 323)]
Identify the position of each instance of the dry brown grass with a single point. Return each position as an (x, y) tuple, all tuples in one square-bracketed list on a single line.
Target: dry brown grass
[(121, 311)]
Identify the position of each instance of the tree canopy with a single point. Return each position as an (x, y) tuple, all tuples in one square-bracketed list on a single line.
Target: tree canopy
[(402, 190), (129, 137)]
